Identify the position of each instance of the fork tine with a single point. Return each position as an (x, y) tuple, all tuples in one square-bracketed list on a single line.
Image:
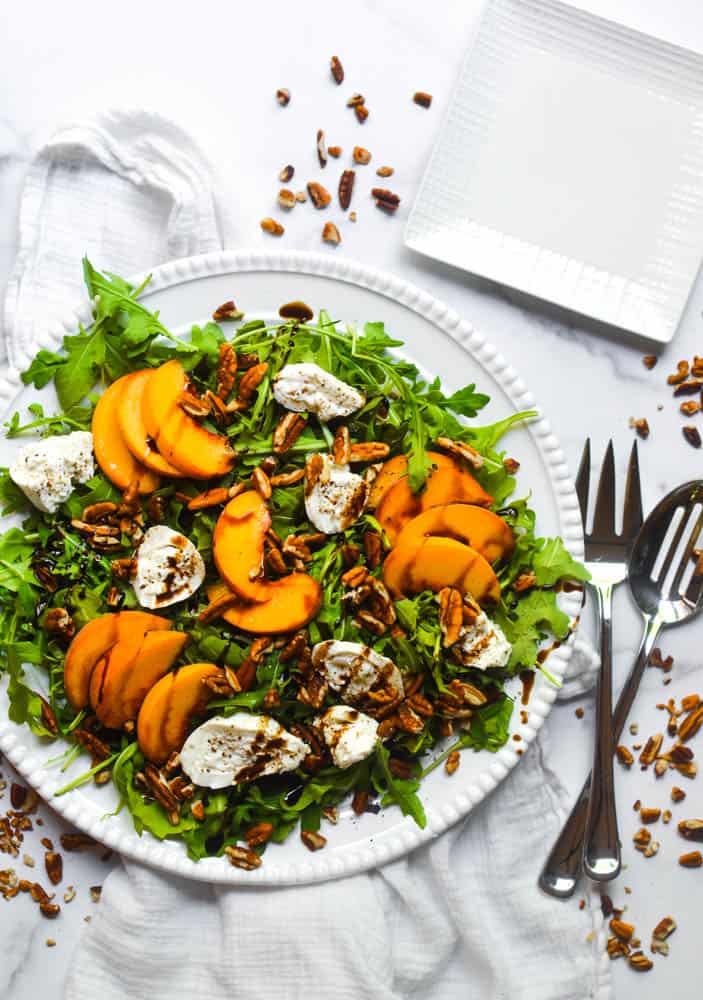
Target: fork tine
[(686, 556), (632, 513), (583, 480), (604, 515)]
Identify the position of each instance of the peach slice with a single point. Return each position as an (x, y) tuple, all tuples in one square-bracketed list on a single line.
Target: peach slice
[(388, 475), (133, 429), (127, 677), (94, 640), (180, 439), (448, 482), (477, 527), (433, 563), (166, 711), (112, 454), (293, 601), (238, 545)]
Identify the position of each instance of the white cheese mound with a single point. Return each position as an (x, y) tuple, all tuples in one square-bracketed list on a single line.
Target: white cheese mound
[(227, 751), (337, 499), (352, 670), (46, 470), (169, 568), (308, 388), (482, 645), (349, 734)]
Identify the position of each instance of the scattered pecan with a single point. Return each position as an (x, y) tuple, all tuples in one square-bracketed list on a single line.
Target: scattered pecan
[(524, 582), (272, 227), (210, 498), (95, 512), (352, 216), (408, 719), (349, 553), (616, 948), (365, 619), (346, 188), (649, 361), (639, 961), (227, 311), (361, 112), (690, 408), (355, 100), (690, 388), (251, 380), (114, 598), (651, 749), (321, 148), (92, 743), (341, 447), (360, 801), (312, 840), (53, 863), (77, 841), (296, 310), (640, 426), (692, 435), (693, 859), (286, 199), (161, 791), (386, 200), (641, 839), (123, 569), (361, 156), (287, 432), (271, 699), (679, 754), (689, 726), (243, 857), (258, 834), (677, 794), (288, 478), (451, 616), (48, 717), (666, 816), (660, 768), (697, 367), (301, 196), (452, 762), (649, 815), (286, 174), (59, 622), (314, 692), (689, 702), (283, 96), (621, 930), (691, 829), (330, 234), (373, 549), (217, 607), (193, 406), (368, 451), (461, 450), (49, 910), (261, 483), (130, 503), (313, 470), (337, 70), (511, 466), (422, 99), (319, 195), (198, 810), (656, 659), (293, 648), (682, 373), (335, 151), (385, 171)]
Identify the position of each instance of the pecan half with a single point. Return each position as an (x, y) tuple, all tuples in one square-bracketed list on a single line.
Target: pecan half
[(346, 188), (451, 616), (639, 961), (272, 227), (373, 549), (337, 70), (193, 406), (97, 511), (258, 834), (286, 173), (408, 719), (621, 930), (689, 726), (227, 311), (210, 498), (319, 195), (693, 859), (691, 829), (422, 99), (288, 478), (651, 749), (616, 948), (54, 866), (226, 370), (624, 755), (251, 380), (682, 373), (649, 815), (59, 622), (689, 388), (692, 435), (361, 155), (330, 234), (361, 112), (261, 483), (321, 148), (368, 451), (312, 840), (314, 692), (385, 200), (243, 857), (461, 450), (677, 794), (283, 96)]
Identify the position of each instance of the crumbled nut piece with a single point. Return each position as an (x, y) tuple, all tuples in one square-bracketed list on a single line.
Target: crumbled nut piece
[(361, 155), (422, 99), (59, 622), (616, 948), (337, 70), (511, 466), (677, 794), (373, 549), (283, 96), (634, 728), (312, 840), (346, 188), (690, 701), (461, 449), (243, 857), (639, 961), (385, 171), (28, 860), (651, 849), (660, 768), (301, 196), (690, 408), (691, 724), (227, 311), (54, 866), (641, 426), (287, 432), (691, 829), (651, 749), (692, 435), (355, 100), (606, 905), (272, 227), (694, 859), (258, 834), (525, 581), (76, 841), (624, 755), (579, 713), (286, 199), (452, 762), (637, 805), (642, 838), (330, 234), (360, 801), (682, 373), (321, 148), (335, 151), (352, 216), (691, 388), (649, 815), (621, 930), (286, 173), (319, 195), (385, 200), (666, 816), (649, 361), (361, 112), (665, 927)]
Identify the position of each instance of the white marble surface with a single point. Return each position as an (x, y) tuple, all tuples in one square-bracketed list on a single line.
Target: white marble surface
[(215, 68)]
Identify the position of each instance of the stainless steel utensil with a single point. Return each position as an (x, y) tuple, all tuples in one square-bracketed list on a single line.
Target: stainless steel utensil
[(673, 528)]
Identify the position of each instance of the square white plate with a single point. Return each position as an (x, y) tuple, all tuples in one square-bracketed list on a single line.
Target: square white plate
[(570, 166)]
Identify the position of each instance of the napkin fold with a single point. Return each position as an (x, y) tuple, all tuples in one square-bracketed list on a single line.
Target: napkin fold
[(460, 917)]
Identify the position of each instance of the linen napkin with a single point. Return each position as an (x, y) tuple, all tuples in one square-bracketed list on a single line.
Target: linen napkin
[(459, 918)]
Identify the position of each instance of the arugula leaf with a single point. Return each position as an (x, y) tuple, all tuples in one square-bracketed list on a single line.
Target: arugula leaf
[(11, 496), (553, 562), (85, 354), (489, 726), (398, 791), (43, 368), (533, 618)]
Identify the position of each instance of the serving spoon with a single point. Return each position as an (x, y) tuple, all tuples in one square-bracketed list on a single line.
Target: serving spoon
[(663, 601)]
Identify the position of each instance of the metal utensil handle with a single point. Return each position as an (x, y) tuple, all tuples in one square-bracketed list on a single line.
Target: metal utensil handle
[(562, 869)]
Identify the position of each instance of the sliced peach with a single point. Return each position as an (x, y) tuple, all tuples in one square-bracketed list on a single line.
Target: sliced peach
[(448, 482), (112, 454), (388, 475), (293, 601), (94, 640), (477, 527), (128, 678), (180, 439), (238, 545), (169, 706), (133, 428), (433, 563)]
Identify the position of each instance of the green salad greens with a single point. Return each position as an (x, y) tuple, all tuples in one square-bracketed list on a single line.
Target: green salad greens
[(47, 564)]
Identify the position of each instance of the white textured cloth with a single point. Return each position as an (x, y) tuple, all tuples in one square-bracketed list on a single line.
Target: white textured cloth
[(459, 919)]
